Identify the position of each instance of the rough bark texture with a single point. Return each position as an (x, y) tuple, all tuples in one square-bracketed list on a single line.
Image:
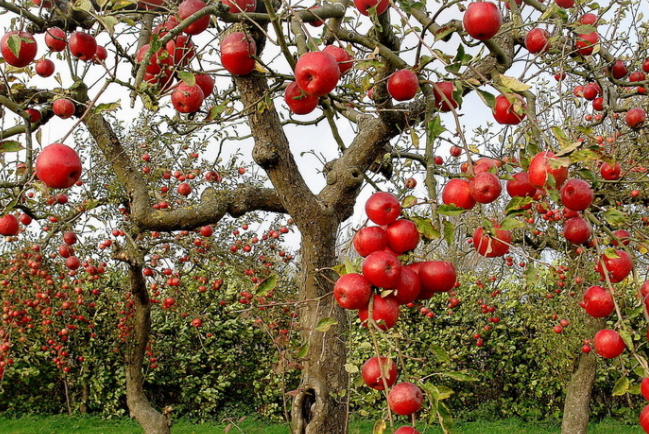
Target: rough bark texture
[(576, 407)]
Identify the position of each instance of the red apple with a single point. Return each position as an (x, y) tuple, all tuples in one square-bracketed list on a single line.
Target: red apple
[(443, 93), (576, 194), (406, 430), (63, 108), (402, 236), (182, 50), (34, 115), (72, 262), (184, 189), (492, 246), (457, 191), (55, 39), (635, 117), (403, 85), (69, 238), (237, 51), (541, 166), (482, 20), (566, 4), (382, 269), (385, 312), (188, 8), (520, 185), (591, 91), (435, 276), (585, 44), (507, 113), (588, 20), (619, 70), (485, 187), (598, 302), (618, 267), (405, 399), (409, 286), (341, 56), (644, 388), (376, 369), (58, 166), (352, 291), (83, 46), (644, 419), (44, 67), (610, 173), (206, 83), (100, 55), (363, 6), (577, 230), (382, 208), (8, 225), (18, 48), (370, 239), (299, 101), (317, 73), (186, 98), (609, 343), (621, 236), (537, 41), (237, 6)]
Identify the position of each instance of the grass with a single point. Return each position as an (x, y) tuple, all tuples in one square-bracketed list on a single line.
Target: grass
[(93, 425)]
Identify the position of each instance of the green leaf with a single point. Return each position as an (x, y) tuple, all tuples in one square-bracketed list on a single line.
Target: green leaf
[(516, 204), (615, 217), (109, 23), (325, 324), (440, 353), (14, 43), (459, 376), (450, 210), (409, 201), (107, 107), (508, 224), (303, 351), (487, 98), (82, 5), (266, 286), (626, 337), (187, 77), (435, 128), (351, 368), (443, 32), (425, 227), (445, 417), (449, 232), (621, 386), (10, 146)]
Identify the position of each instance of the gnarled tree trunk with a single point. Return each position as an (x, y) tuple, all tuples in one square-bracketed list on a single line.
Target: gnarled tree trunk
[(577, 406)]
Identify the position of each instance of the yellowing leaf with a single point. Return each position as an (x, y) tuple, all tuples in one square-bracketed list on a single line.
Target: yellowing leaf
[(512, 83), (325, 324)]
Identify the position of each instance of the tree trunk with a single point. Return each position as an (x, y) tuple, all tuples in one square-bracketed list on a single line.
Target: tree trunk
[(577, 406), (319, 406), (152, 421)]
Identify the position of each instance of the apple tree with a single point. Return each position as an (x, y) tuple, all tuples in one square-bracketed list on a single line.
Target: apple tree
[(379, 85)]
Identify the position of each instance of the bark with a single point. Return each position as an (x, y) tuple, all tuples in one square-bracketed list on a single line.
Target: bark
[(576, 407)]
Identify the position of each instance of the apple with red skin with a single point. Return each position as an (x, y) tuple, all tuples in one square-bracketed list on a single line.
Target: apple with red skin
[(644, 388), (237, 6), (644, 419), (382, 269), (317, 73), (409, 286), (598, 104), (341, 56), (588, 20), (377, 369), (184, 189), (457, 191), (410, 183), (637, 76), (609, 343), (182, 50), (55, 39), (406, 430), (82, 45), (506, 113), (537, 41), (44, 67), (188, 8), (403, 236), (635, 117), (598, 302), (385, 312), (403, 85), (58, 166), (299, 101), (237, 51), (492, 246), (206, 83), (405, 399), (576, 230), (352, 291), (186, 98), (541, 167), (206, 231), (25, 219), (621, 236), (435, 276), (9, 225), (610, 173), (63, 108), (370, 239), (65, 251), (363, 6), (455, 151), (34, 115), (566, 4), (520, 185), (482, 20), (382, 208), (18, 48), (69, 238), (619, 70), (576, 194), (585, 43), (485, 187), (618, 268), (100, 55), (443, 93), (157, 62), (591, 91)]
